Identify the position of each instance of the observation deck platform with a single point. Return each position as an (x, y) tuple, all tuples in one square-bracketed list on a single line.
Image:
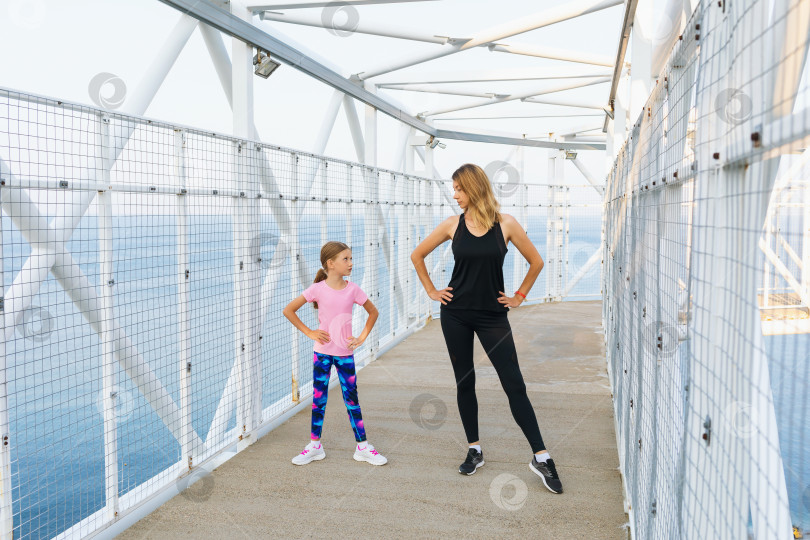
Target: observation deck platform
[(409, 408)]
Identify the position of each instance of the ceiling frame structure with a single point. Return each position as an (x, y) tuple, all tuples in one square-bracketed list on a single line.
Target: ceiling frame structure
[(363, 85), (258, 27)]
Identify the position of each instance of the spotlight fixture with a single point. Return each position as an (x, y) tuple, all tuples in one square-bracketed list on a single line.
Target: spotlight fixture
[(570, 154), (264, 64), (433, 142)]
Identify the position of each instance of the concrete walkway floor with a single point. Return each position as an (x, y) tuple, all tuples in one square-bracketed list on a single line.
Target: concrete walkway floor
[(410, 413)]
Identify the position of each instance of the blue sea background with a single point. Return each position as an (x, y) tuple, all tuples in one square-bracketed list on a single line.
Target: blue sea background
[(54, 359)]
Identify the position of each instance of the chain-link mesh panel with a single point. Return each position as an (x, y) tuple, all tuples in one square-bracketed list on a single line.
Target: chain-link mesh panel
[(706, 285)]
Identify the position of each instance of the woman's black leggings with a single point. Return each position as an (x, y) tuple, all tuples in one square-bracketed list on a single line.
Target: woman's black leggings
[(495, 335)]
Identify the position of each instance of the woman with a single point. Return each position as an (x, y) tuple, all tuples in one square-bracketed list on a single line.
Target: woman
[(474, 302)]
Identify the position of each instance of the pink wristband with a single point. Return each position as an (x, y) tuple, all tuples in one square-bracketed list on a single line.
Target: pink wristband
[(521, 294)]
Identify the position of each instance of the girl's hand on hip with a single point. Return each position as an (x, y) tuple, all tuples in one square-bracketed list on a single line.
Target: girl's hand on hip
[(442, 295), (354, 342), (509, 301), (321, 336)]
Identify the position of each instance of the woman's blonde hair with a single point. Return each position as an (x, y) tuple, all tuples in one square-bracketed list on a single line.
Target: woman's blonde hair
[(329, 251), (483, 208)]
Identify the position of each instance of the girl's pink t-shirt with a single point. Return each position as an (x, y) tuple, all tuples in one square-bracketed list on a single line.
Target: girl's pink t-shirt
[(335, 314)]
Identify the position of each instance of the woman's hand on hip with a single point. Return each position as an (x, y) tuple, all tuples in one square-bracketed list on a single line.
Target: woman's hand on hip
[(354, 342), (442, 295), (509, 301)]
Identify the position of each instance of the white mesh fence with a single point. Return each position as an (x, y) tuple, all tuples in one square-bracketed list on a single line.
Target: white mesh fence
[(145, 267), (706, 282)]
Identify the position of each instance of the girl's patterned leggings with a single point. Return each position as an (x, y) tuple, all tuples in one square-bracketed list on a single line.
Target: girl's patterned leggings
[(321, 369)]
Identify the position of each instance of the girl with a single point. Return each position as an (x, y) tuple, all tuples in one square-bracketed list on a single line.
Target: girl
[(477, 305), (334, 298)]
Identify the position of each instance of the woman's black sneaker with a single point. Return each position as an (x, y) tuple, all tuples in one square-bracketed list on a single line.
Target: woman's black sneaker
[(548, 473), (474, 460)]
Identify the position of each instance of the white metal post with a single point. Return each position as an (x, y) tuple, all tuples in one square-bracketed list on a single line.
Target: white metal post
[(294, 254), (240, 358), (372, 231), (376, 210), (805, 281), (419, 220), (324, 171), (253, 280), (392, 259), (183, 277), (565, 217), (551, 262), (247, 282), (403, 267), (6, 516), (554, 225), (409, 225), (521, 215), (105, 242), (413, 297), (371, 246), (426, 208)]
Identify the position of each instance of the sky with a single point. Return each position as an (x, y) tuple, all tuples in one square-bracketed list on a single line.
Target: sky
[(61, 47)]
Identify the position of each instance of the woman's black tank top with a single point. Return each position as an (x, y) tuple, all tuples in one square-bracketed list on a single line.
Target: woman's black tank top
[(478, 270)]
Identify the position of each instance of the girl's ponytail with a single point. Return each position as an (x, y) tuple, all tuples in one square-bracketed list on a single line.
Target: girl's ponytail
[(320, 276)]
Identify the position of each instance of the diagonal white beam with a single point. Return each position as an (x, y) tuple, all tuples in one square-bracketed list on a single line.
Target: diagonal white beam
[(359, 27), (592, 260), (47, 239), (489, 137), (442, 89), (387, 247), (401, 146), (285, 50), (516, 116), (786, 274), (83, 294), (354, 127), (553, 53), (584, 128), (321, 3), (562, 12), (504, 74), (565, 103), (49, 254), (298, 56), (522, 95), (583, 139), (219, 56), (442, 259), (43, 235), (598, 186), (379, 29), (791, 252), (222, 64)]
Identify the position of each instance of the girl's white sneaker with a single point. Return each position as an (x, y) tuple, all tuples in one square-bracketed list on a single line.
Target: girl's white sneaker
[(309, 454), (370, 455)]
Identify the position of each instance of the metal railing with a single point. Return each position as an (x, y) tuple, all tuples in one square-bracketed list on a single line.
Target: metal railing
[(145, 267), (710, 390)]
